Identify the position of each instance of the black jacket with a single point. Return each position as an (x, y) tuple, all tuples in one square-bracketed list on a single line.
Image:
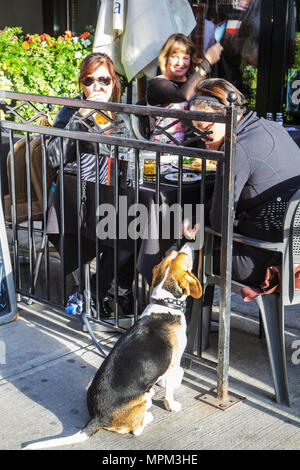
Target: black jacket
[(68, 118), (267, 173)]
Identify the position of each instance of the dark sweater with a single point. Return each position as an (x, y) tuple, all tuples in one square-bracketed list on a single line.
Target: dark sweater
[(267, 174), (162, 92), (69, 118)]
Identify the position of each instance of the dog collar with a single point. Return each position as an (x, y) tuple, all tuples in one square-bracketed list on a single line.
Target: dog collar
[(170, 302)]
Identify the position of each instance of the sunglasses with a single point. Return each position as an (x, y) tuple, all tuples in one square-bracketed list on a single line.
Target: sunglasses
[(88, 81), (206, 128)]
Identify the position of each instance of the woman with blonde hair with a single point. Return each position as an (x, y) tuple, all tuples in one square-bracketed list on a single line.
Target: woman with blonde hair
[(181, 72)]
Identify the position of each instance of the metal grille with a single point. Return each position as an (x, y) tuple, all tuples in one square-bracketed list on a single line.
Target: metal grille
[(296, 236)]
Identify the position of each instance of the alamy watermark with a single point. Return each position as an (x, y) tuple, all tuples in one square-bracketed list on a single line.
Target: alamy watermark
[(295, 97), (296, 353), (153, 222), (2, 352)]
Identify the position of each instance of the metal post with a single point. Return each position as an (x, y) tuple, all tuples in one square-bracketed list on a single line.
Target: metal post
[(116, 240), (226, 252), (219, 397)]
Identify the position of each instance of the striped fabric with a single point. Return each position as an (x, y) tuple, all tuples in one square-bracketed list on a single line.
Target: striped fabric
[(88, 168), (106, 169)]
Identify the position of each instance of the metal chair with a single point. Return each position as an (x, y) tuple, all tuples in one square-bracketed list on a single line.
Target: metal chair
[(272, 305), (140, 124), (40, 187), (16, 202), (17, 184), (36, 167)]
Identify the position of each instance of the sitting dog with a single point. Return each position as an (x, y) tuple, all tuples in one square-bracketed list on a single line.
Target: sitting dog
[(121, 392)]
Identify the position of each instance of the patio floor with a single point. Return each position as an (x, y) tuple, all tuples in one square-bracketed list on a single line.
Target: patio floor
[(47, 362)]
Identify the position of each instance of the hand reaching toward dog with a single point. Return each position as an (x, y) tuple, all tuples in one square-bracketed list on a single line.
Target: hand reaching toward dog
[(187, 232)]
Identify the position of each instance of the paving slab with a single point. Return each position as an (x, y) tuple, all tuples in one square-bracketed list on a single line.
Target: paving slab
[(47, 363)]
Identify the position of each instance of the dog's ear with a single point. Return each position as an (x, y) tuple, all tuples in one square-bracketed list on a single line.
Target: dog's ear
[(194, 285), (159, 271)]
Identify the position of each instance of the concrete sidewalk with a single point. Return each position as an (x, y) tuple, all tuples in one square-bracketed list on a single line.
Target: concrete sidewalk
[(47, 362)]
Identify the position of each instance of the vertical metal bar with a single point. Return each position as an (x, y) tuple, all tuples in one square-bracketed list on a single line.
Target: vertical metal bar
[(45, 206), (157, 192), (2, 170), (29, 211), (226, 255), (68, 15), (62, 220), (116, 241), (79, 221), (136, 200), (200, 256), (13, 209), (97, 242), (179, 191)]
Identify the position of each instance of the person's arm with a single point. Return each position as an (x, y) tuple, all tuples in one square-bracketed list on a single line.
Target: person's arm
[(66, 119), (161, 91), (242, 174)]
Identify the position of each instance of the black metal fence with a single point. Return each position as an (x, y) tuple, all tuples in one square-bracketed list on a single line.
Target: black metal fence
[(28, 205)]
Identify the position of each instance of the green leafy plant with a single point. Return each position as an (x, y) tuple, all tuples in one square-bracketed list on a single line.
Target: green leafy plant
[(41, 64)]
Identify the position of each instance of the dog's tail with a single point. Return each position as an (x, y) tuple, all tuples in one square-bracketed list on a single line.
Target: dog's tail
[(91, 428)]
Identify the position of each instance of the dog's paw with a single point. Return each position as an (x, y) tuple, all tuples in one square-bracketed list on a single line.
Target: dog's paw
[(172, 405), (147, 419)]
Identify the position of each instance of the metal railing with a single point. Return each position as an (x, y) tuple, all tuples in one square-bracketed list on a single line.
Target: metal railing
[(29, 129)]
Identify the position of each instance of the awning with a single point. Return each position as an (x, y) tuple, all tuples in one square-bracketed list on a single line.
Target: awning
[(133, 32)]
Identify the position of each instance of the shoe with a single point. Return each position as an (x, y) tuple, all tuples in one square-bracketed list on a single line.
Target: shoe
[(105, 309), (126, 304)]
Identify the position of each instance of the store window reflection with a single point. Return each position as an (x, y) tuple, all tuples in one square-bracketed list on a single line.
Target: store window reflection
[(293, 73), (241, 21)]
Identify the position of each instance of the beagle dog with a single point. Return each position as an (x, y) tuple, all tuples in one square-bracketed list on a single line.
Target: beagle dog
[(121, 392)]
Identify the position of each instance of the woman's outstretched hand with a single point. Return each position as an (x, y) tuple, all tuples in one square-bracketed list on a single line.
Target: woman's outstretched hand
[(213, 54)]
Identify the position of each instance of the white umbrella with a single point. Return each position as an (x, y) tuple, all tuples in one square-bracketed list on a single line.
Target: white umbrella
[(133, 31)]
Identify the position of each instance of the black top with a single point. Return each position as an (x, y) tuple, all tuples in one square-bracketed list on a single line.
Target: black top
[(267, 174), (161, 91), (70, 119)]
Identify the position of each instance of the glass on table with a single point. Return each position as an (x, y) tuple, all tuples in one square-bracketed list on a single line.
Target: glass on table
[(149, 165)]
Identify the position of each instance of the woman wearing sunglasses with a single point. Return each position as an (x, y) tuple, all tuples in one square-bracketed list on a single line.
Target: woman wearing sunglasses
[(99, 82)]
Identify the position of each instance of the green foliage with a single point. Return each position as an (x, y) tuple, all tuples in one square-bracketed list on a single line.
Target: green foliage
[(41, 64), (297, 51), (250, 82)]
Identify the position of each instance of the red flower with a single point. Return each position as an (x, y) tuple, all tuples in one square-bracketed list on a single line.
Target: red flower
[(85, 35), (68, 34), (44, 36)]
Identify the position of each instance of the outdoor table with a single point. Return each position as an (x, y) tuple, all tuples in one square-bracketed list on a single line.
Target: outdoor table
[(150, 249)]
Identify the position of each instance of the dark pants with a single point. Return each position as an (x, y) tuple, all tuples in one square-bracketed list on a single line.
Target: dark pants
[(249, 265), (106, 268)]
